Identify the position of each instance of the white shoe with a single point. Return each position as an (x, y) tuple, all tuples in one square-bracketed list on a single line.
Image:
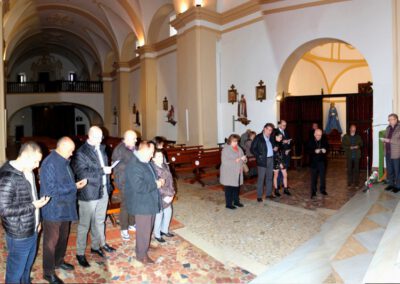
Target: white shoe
[(125, 235), (132, 228)]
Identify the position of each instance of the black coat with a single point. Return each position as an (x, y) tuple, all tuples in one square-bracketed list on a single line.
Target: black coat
[(122, 154), (259, 149), (315, 158), (16, 209), (141, 194), (86, 165)]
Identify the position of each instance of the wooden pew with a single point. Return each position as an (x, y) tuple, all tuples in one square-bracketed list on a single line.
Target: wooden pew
[(207, 164), (183, 162)]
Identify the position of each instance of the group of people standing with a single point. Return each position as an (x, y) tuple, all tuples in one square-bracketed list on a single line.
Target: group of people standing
[(272, 149), (141, 174)]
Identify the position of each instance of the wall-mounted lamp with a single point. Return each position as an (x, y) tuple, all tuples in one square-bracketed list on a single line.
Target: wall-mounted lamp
[(165, 104), (134, 110), (232, 95), (198, 3), (280, 97)]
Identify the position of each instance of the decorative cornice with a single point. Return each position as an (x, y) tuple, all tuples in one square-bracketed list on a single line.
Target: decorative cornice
[(196, 13), (240, 11)]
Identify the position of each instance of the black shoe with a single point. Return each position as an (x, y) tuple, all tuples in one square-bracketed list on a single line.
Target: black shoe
[(259, 199), (324, 193), (313, 196), (53, 279), (395, 190), (389, 188), (287, 192), (82, 261), (65, 266), (108, 248), (238, 204), (97, 251), (230, 207), (169, 235), (160, 240), (277, 193)]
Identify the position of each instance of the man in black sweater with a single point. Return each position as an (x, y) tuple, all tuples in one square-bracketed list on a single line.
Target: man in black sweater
[(317, 149)]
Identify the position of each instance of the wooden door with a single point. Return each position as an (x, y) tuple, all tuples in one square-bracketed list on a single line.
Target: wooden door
[(300, 113), (359, 112)]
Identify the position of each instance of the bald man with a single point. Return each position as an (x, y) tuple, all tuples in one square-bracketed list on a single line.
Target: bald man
[(317, 149), (57, 181), (123, 153), (91, 163)]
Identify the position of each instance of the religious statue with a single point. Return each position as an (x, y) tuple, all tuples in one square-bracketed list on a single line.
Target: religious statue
[(171, 116), (242, 111), (333, 120)]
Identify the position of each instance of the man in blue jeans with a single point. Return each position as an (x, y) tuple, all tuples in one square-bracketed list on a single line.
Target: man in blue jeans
[(19, 211)]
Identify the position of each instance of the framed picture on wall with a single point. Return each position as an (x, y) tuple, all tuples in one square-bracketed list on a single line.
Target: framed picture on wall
[(261, 91), (232, 95)]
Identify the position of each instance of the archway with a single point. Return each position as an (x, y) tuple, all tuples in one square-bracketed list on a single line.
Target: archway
[(24, 122), (322, 75)]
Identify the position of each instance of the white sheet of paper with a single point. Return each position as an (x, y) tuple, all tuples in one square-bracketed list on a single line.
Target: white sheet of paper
[(114, 164)]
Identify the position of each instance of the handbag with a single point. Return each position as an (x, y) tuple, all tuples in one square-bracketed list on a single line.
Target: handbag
[(245, 168)]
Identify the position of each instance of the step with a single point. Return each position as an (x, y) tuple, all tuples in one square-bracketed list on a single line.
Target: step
[(385, 264), (311, 262)]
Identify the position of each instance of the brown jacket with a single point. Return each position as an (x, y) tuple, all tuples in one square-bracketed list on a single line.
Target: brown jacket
[(231, 173), (168, 188), (394, 142)]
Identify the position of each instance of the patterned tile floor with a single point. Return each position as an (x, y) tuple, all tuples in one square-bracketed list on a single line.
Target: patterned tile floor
[(299, 182), (177, 261), (351, 262)]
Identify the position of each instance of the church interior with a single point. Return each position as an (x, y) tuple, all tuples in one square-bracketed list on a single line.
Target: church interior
[(195, 72)]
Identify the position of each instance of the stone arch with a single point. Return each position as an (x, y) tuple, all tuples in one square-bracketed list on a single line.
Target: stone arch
[(290, 63), (157, 21), (129, 48)]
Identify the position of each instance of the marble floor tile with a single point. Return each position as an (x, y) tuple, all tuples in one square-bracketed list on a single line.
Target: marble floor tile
[(351, 248), (381, 218), (366, 225), (370, 239), (352, 270), (377, 208), (389, 204)]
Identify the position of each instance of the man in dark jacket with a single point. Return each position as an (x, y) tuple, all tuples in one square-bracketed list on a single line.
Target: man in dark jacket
[(143, 197), (19, 211), (90, 162), (261, 148), (123, 153), (317, 149), (58, 182), (352, 144)]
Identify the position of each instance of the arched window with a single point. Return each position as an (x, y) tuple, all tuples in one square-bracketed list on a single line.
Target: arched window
[(21, 78)]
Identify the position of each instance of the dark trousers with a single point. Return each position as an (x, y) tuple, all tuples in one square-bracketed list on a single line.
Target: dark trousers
[(55, 238), (393, 171), (318, 170), (353, 170), (125, 219), (144, 227), (231, 195), (21, 255)]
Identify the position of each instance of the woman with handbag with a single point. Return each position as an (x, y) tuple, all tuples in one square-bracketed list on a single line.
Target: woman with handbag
[(231, 171)]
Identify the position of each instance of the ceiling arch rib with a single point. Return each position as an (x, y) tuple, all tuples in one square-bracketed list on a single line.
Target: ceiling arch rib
[(80, 63), (110, 37), (135, 19), (60, 36)]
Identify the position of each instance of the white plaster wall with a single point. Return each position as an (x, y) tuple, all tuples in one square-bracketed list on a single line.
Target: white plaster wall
[(348, 82), (85, 120), (306, 79), (22, 117), (258, 51), (167, 87), (25, 67), (15, 102), (134, 98), (224, 5), (245, 59)]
